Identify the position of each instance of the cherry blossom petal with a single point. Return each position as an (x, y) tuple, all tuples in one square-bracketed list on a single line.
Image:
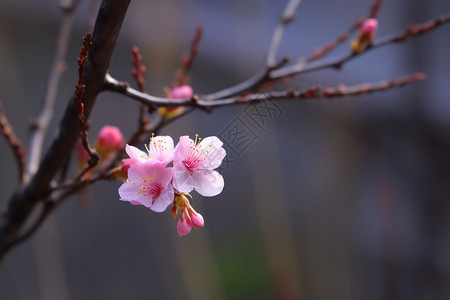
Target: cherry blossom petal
[(139, 170), (163, 174), (130, 192), (197, 219), (136, 203), (183, 227), (216, 153), (164, 200), (182, 148), (209, 153), (161, 149), (207, 183), (182, 179), (135, 154)]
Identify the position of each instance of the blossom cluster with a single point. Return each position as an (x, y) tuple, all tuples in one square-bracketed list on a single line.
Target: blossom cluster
[(164, 175)]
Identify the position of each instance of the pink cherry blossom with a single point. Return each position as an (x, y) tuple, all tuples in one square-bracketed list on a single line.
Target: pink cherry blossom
[(160, 149), (194, 164), (181, 92), (148, 184), (109, 138)]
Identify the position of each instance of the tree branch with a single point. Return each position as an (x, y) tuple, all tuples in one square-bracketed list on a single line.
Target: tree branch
[(375, 8), (310, 93), (260, 77), (79, 94), (187, 60), (109, 21), (331, 45), (124, 88), (110, 17), (138, 71), (39, 126), (412, 31), (320, 93), (287, 17)]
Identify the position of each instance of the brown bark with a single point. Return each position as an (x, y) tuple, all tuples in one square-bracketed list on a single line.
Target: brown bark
[(107, 27)]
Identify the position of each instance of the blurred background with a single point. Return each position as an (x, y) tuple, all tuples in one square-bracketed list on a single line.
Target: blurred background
[(341, 199)]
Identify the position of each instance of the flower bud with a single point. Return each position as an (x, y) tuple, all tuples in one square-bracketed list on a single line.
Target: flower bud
[(181, 92), (365, 36), (183, 226), (109, 139), (369, 27), (196, 219)]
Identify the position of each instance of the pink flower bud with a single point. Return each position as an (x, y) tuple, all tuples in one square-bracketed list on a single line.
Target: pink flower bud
[(183, 226), (369, 27), (197, 219), (181, 92), (110, 138), (365, 35), (135, 51)]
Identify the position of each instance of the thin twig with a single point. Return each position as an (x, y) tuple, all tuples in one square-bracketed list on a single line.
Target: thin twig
[(287, 17), (412, 31), (14, 143), (124, 88), (251, 84), (320, 93), (138, 73), (375, 8), (79, 93), (40, 125), (262, 76), (188, 60), (333, 44)]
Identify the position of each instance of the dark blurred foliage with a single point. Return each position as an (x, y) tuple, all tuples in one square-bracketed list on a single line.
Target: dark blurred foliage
[(342, 199)]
